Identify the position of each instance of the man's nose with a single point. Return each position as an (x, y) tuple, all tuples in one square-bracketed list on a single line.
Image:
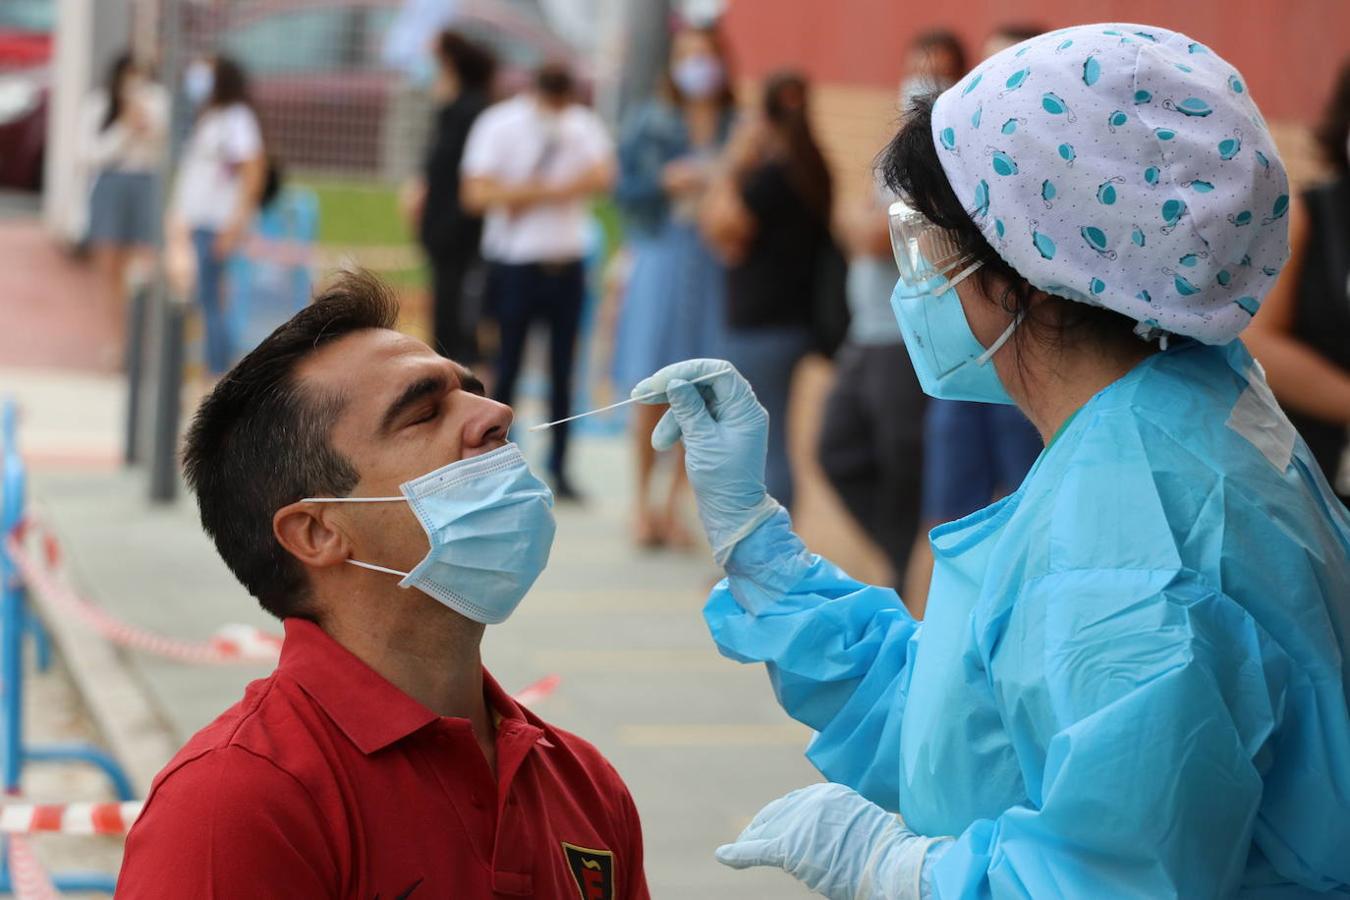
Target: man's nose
[(487, 426)]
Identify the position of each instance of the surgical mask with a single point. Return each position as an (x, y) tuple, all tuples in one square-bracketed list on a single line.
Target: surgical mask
[(198, 82), (489, 521), (950, 362), (699, 76)]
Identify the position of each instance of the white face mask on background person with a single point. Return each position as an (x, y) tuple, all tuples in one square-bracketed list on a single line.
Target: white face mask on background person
[(489, 521), (199, 81), (699, 76)]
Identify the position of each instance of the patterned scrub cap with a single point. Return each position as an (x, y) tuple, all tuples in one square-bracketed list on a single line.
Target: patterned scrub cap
[(1123, 166)]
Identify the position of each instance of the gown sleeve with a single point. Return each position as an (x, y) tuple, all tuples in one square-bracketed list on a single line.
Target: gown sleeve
[(1142, 704), (838, 652)]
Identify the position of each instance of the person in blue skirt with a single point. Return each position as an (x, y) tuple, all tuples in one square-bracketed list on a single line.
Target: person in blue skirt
[(673, 306)]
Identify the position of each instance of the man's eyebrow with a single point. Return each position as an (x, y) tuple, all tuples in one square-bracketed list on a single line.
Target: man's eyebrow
[(432, 385), (470, 382)]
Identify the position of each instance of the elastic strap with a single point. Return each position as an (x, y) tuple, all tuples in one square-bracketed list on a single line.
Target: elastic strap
[(987, 355), (398, 499)]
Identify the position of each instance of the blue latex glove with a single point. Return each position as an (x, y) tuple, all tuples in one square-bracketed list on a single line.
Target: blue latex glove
[(836, 843), (726, 435)]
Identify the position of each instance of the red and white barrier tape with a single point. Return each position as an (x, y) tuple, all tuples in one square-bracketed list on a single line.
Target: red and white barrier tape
[(231, 644), (28, 879), (69, 818)]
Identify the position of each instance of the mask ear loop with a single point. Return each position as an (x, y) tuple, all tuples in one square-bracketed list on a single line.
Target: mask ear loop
[(357, 562), (983, 358)]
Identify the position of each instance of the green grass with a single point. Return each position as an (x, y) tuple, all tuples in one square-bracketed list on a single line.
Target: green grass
[(356, 213)]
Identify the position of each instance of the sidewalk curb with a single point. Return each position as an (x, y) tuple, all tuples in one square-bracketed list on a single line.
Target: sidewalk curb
[(119, 705)]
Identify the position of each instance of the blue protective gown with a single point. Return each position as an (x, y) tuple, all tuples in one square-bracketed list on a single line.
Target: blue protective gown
[(1131, 680)]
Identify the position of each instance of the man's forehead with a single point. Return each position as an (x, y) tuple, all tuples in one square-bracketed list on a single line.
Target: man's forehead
[(372, 357)]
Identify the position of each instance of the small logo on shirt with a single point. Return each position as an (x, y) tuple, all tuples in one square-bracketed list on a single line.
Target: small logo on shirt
[(593, 870)]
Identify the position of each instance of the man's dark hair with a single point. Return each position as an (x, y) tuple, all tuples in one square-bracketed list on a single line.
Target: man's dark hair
[(230, 84), (910, 167), (473, 64), (554, 80), (261, 441)]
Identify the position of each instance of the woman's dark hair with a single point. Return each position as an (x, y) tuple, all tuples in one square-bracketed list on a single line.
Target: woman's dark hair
[(472, 63), (1334, 130), (787, 109), (726, 98), (910, 167), (121, 67), (230, 84)]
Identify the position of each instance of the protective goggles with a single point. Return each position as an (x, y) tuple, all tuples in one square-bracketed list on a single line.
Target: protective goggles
[(926, 254)]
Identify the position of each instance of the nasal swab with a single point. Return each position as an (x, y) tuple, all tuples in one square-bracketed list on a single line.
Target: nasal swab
[(595, 412)]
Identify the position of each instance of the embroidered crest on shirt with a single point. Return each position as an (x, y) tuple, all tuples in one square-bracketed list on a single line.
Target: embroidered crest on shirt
[(593, 871)]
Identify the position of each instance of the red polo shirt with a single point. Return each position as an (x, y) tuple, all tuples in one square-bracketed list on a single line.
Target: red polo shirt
[(328, 781)]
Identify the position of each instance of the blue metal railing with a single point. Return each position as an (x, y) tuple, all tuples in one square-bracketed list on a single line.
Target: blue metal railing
[(16, 621)]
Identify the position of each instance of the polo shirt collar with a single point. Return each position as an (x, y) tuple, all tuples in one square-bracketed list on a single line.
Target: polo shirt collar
[(370, 710)]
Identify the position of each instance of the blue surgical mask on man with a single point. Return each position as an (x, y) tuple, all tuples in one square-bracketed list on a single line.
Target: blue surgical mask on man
[(489, 521), (950, 362)]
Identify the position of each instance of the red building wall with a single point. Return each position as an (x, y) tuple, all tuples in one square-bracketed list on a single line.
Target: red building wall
[(1289, 51)]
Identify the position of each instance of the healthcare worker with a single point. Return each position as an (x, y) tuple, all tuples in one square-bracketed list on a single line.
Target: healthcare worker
[(1131, 677)]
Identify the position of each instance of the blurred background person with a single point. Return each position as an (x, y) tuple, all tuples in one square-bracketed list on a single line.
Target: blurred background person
[(936, 60), (449, 235), (871, 435), (220, 184), (973, 453), (674, 303), (530, 167), (1302, 332), (125, 128), (769, 218)]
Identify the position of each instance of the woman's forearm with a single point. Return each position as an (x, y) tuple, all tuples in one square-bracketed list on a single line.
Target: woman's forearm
[(1302, 379)]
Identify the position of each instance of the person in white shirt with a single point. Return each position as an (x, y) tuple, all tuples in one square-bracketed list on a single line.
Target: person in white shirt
[(530, 166), (125, 124), (219, 185)]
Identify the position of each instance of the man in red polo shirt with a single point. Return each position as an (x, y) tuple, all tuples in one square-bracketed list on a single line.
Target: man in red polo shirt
[(339, 464)]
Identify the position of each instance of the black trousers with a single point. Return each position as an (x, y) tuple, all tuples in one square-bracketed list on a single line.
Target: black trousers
[(521, 294), (871, 445), (457, 297)]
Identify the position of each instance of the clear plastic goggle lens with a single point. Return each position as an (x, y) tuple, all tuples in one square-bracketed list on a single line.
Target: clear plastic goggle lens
[(922, 250)]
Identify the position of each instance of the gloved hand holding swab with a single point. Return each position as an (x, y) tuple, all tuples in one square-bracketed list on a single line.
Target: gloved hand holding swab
[(545, 425)]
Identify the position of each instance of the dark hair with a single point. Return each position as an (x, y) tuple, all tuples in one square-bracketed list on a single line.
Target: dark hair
[(1334, 129), (554, 80), (121, 67), (726, 98), (911, 168), (1017, 32), (941, 39), (473, 64), (261, 441), (230, 83), (786, 107)]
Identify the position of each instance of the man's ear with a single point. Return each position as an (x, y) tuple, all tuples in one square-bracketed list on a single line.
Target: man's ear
[(304, 531)]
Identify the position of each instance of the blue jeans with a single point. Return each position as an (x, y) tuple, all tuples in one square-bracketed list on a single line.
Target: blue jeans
[(210, 284), (973, 454), (767, 358)]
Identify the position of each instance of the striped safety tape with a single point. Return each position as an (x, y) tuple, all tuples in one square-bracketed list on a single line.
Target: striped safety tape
[(69, 818)]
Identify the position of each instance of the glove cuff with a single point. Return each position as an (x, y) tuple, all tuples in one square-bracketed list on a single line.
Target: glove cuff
[(766, 507)]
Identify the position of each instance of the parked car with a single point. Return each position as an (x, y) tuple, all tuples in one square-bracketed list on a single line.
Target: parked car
[(25, 82), (325, 99)]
